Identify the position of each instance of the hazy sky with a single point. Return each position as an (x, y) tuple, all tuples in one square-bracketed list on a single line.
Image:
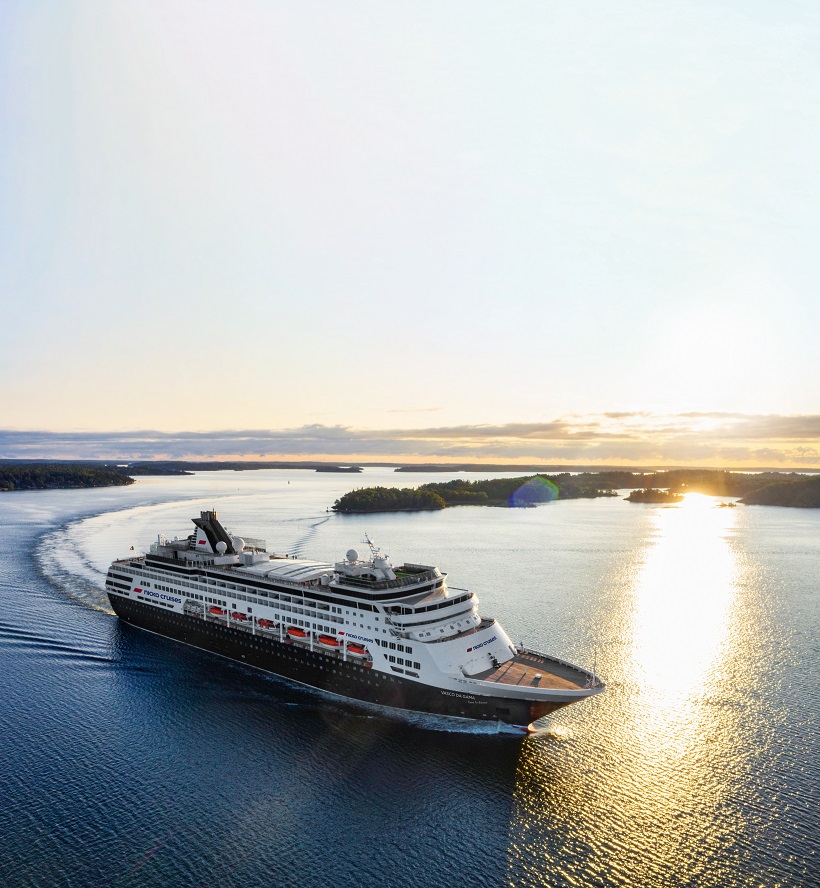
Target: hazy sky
[(545, 230)]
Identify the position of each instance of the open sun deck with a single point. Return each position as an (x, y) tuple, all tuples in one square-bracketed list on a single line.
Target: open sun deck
[(529, 670)]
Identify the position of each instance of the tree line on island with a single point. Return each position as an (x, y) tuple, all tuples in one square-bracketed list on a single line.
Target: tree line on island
[(60, 476), (765, 488)]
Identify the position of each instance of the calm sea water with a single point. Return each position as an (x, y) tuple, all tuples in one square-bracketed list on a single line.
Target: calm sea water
[(128, 760)]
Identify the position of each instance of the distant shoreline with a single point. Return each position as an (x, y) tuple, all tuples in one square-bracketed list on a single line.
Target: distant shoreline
[(166, 467), (752, 488)]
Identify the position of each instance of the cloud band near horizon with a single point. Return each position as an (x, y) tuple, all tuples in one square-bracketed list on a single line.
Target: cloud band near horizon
[(613, 438)]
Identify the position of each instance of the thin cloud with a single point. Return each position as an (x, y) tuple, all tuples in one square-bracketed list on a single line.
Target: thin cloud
[(607, 438)]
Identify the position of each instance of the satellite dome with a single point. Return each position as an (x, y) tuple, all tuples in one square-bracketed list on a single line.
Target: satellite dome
[(238, 544), (352, 555), (221, 547)]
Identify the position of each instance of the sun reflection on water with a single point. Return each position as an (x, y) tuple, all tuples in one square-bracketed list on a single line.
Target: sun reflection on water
[(682, 598), (636, 783)]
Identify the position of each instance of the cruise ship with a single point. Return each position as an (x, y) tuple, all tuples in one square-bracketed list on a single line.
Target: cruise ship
[(360, 628)]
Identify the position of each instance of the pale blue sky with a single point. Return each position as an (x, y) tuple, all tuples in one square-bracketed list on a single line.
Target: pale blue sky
[(393, 216)]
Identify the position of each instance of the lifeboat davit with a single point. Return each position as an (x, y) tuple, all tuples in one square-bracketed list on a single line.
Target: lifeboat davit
[(328, 641), (296, 632), (266, 624), (216, 611), (238, 616), (357, 650)]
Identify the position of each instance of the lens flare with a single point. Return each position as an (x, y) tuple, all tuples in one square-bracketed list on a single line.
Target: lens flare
[(536, 490)]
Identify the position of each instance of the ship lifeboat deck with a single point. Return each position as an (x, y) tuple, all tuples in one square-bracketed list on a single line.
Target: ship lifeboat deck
[(530, 670)]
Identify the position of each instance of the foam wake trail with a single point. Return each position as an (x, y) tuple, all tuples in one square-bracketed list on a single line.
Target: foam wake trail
[(309, 533), (64, 563)]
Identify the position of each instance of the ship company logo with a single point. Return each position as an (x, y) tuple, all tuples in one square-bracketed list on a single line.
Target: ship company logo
[(160, 595), (483, 643), (200, 542), (357, 637)]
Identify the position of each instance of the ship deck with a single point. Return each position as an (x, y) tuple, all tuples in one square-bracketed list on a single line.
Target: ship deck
[(530, 670)]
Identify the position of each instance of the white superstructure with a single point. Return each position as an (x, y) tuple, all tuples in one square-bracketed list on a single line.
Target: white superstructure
[(401, 622)]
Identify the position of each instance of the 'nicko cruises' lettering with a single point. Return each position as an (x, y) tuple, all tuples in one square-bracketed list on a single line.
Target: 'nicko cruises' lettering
[(425, 649)]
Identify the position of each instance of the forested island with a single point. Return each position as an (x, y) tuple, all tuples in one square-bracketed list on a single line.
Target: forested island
[(388, 499), (512, 492), (340, 469), (653, 495), (765, 488), (792, 491), (59, 476)]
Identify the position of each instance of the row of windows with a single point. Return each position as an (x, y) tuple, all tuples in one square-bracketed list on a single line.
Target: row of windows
[(309, 625), (409, 611), (152, 601), (393, 646), (402, 662)]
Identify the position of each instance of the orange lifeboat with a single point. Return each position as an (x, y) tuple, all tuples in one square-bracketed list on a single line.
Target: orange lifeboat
[(216, 611), (356, 650), (266, 624), (328, 641), (297, 633), (239, 617)]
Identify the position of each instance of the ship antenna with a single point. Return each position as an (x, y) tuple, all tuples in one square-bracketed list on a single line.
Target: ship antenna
[(374, 549)]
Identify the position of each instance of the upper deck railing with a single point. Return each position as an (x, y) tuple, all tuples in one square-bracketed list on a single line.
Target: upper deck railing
[(399, 583)]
